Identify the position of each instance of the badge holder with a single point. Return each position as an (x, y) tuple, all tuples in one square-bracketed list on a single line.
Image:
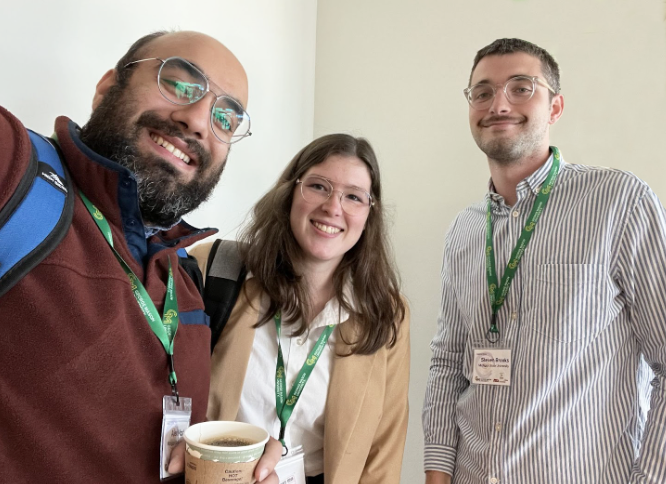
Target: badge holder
[(291, 468), (491, 364), (176, 414)]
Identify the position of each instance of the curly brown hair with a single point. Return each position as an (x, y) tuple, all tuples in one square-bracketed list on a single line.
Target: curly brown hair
[(271, 252)]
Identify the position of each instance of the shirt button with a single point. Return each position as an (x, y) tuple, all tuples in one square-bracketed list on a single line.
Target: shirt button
[(299, 341), (514, 315), (498, 426), (493, 480), (516, 213)]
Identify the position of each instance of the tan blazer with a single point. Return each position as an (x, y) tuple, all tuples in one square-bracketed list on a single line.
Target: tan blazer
[(366, 410)]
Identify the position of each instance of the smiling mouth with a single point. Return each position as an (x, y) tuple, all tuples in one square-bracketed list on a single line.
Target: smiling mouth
[(500, 122), (170, 148), (326, 228)]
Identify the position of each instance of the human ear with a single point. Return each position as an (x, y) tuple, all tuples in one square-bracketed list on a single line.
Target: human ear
[(105, 83), (556, 108)]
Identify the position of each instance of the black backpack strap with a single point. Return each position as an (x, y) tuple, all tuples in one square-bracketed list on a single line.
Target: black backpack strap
[(225, 275), (190, 265), (37, 216)]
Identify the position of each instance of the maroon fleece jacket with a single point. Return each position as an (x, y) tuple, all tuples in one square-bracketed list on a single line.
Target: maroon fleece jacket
[(82, 374)]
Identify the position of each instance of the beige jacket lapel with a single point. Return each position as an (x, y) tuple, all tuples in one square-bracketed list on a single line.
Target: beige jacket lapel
[(232, 354)]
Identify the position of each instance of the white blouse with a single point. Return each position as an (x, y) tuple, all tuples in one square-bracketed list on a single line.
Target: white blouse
[(257, 403)]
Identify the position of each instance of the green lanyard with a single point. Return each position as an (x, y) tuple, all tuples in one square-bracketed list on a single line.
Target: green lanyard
[(164, 327), (284, 407), (497, 300)]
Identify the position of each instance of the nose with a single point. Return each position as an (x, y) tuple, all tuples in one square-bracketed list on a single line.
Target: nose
[(333, 204), (194, 118), (500, 104)]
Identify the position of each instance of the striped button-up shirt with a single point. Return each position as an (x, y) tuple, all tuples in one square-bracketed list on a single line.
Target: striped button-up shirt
[(585, 320)]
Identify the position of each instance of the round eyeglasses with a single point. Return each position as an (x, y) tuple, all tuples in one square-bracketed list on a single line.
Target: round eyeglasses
[(518, 90), (182, 83), (317, 189)]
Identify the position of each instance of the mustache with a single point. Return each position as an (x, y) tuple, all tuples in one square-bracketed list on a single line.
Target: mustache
[(500, 119), (151, 120)]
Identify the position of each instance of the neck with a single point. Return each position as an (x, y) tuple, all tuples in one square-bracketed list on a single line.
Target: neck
[(506, 176), (319, 280)]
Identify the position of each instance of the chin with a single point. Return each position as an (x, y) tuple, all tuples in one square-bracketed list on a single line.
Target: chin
[(321, 257)]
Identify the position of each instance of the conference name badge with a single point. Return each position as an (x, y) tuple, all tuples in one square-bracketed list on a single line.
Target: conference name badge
[(291, 468), (492, 367)]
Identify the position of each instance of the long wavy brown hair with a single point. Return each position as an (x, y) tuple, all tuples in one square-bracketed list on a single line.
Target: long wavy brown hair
[(270, 251)]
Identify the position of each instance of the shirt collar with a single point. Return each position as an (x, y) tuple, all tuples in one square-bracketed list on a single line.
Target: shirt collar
[(536, 179), (532, 183), (333, 312)]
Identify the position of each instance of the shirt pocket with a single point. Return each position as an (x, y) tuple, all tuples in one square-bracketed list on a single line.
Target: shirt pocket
[(566, 303)]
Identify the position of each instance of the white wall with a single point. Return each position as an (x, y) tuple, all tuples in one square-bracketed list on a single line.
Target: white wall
[(53, 54), (394, 71)]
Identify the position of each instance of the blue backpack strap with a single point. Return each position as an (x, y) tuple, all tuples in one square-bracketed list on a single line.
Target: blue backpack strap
[(37, 216)]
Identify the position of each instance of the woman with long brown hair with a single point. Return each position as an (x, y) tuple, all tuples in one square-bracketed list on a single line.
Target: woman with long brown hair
[(321, 306)]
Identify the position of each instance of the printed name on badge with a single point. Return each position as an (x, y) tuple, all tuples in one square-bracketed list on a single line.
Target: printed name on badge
[(492, 367)]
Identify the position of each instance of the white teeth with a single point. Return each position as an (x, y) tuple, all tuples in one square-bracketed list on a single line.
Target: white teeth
[(327, 228), (170, 148)]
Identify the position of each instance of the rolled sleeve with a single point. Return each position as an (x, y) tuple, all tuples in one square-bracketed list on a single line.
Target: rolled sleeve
[(440, 458)]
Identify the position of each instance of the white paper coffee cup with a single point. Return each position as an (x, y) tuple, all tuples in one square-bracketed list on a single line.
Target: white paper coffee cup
[(226, 464)]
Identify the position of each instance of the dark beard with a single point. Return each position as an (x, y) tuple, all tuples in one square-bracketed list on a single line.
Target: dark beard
[(163, 198)]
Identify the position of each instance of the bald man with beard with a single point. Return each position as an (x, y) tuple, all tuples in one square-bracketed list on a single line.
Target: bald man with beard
[(84, 375)]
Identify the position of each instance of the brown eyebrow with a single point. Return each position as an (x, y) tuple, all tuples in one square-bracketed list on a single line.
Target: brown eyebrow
[(487, 81), (339, 183)]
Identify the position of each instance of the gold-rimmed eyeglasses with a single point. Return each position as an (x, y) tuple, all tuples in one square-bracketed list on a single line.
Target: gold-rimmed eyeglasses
[(181, 82)]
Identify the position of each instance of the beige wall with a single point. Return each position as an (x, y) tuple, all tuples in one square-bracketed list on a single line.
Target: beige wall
[(394, 71)]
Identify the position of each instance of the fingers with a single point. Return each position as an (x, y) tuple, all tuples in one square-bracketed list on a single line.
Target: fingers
[(271, 479), (272, 454), (177, 460), (263, 473)]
